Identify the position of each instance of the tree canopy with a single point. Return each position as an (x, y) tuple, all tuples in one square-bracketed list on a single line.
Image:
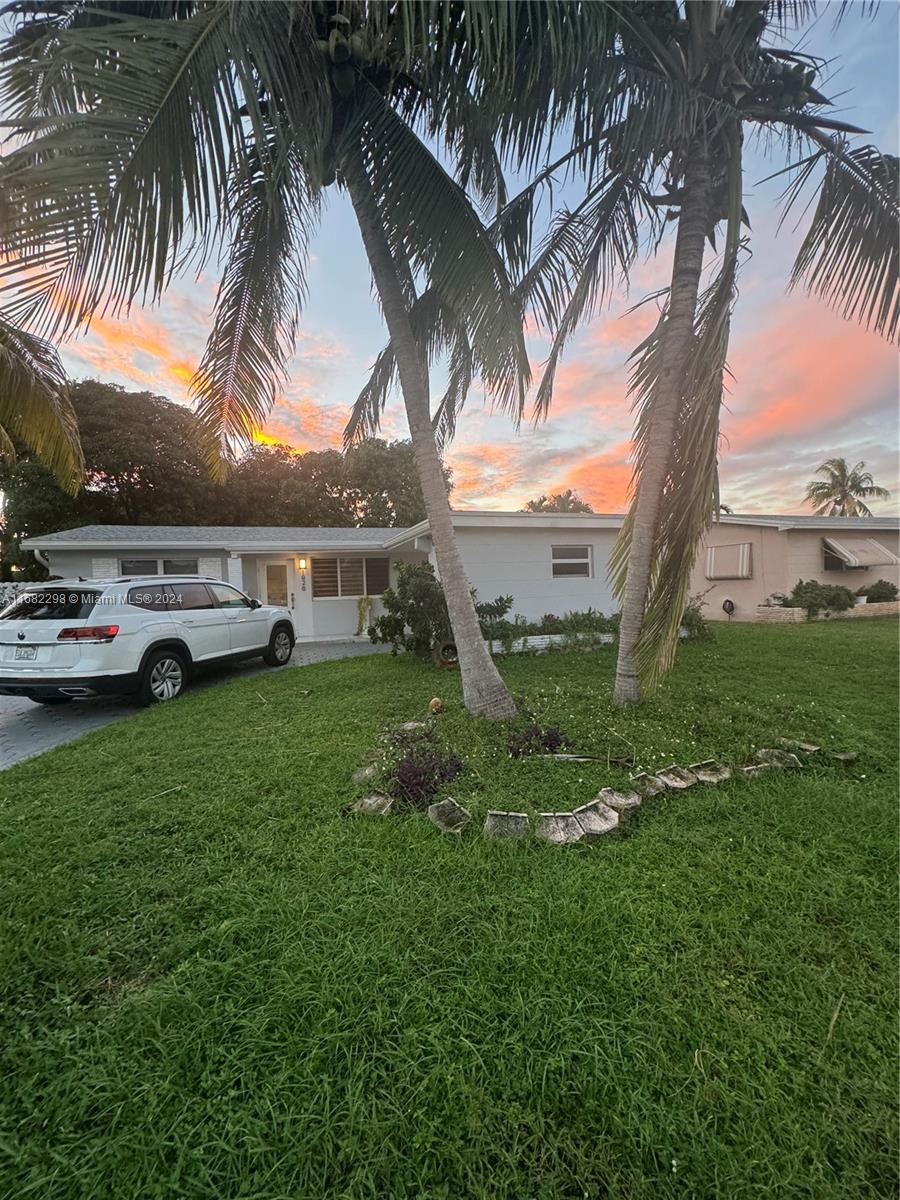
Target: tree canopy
[(559, 502), (144, 465)]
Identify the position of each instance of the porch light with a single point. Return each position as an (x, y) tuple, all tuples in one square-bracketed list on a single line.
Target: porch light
[(301, 567), (301, 564)]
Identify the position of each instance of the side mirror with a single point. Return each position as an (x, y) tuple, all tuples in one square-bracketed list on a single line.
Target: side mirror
[(254, 603)]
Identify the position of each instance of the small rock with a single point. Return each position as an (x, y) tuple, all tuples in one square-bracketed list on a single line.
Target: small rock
[(505, 824), (449, 816), (622, 802), (596, 819), (559, 828), (754, 771), (844, 756), (436, 705), (677, 777), (364, 774), (710, 771), (803, 747), (647, 785), (375, 805), (782, 759)]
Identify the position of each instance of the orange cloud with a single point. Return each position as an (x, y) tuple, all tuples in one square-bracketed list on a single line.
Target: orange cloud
[(807, 368), (604, 480), (114, 346)]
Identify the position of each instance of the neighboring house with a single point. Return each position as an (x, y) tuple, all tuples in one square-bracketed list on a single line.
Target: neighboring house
[(745, 559), (548, 562)]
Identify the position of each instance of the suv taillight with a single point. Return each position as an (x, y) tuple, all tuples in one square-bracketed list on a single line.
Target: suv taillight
[(88, 633)]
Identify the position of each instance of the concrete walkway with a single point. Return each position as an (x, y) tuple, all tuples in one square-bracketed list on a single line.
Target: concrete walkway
[(27, 729)]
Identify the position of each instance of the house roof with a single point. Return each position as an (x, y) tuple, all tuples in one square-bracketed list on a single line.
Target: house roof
[(291, 538), (214, 537), (789, 521)]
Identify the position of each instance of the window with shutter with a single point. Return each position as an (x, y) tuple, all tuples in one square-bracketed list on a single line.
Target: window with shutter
[(730, 562), (351, 576), (324, 578)]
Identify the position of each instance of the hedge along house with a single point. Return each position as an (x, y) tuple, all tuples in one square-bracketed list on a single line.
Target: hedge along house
[(548, 562)]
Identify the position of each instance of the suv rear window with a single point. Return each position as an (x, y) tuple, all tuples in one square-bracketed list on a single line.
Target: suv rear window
[(155, 597), (51, 604)]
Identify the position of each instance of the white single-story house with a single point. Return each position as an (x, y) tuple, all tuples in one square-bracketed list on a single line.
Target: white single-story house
[(548, 562)]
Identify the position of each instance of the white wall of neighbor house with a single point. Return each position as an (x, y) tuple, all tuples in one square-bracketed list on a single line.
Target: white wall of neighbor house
[(520, 562)]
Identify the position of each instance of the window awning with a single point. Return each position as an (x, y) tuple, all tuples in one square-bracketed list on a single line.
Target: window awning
[(861, 552)]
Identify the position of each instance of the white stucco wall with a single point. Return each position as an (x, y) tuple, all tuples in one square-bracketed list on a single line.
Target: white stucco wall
[(517, 562), (105, 564)]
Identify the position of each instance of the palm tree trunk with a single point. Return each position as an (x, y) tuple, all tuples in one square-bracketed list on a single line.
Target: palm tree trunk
[(686, 268), (484, 692)]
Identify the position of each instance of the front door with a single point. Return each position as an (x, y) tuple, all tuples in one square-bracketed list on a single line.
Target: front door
[(276, 583)]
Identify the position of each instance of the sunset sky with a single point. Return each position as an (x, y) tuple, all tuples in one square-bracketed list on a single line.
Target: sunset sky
[(806, 385)]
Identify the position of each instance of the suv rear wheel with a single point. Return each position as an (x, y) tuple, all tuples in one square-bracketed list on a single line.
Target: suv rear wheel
[(280, 647), (164, 677)]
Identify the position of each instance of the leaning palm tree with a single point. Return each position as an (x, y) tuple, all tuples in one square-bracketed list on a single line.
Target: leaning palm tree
[(844, 490), (155, 137), (693, 80)]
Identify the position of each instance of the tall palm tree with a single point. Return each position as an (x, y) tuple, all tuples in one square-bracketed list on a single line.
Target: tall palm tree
[(34, 405), (844, 490), (156, 137)]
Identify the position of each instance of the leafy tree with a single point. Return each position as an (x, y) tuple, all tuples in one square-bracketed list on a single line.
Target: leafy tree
[(559, 502), (145, 465), (844, 490), (150, 142)]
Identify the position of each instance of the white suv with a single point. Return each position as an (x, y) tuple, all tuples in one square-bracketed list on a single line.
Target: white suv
[(141, 636)]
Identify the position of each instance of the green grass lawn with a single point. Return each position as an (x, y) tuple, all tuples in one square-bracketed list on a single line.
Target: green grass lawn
[(231, 990)]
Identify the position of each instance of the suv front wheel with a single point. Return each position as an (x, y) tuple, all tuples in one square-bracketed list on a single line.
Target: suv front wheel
[(280, 647), (164, 677)]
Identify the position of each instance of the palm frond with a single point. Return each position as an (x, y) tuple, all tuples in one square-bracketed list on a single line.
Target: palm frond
[(34, 404), (259, 303), (584, 255), (113, 196), (850, 256), (431, 225)]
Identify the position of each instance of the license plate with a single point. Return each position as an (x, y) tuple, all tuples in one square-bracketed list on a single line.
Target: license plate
[(26, 652)]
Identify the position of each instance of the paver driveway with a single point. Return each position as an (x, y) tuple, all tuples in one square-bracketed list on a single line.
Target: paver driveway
[(27, 729)]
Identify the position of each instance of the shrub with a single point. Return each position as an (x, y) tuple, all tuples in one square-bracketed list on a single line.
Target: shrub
[(418, 767), (816, 597), (695, 625), (534, 739), (877, 593), (416, 617)]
